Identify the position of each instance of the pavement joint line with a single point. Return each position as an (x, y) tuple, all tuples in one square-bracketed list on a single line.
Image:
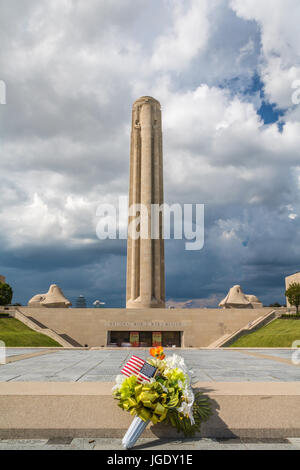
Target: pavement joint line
[(70, 365), (21, 357), (13, 378), (84, 359), (270, 358), (87, 371), (206, 373)]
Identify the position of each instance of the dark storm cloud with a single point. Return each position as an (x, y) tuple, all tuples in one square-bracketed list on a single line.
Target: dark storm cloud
[(49, 257), (72, 71)]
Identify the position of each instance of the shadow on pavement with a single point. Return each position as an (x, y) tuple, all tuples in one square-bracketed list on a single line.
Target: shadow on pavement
[(215, 427)]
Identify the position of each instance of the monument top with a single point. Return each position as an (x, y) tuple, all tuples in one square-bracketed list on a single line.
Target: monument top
[(146, 99)]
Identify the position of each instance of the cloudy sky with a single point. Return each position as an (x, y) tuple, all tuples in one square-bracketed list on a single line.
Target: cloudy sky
[(223, 71)]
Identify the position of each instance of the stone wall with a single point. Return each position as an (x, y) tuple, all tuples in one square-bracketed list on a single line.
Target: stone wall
[(200, 327)]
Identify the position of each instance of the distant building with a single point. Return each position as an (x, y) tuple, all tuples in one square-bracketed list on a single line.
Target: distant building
[(81, 302), (98, 304), (288, 280)]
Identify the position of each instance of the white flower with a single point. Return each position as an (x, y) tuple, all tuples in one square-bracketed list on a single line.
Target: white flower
[(183, 408), (186, 409), (186, 406), (119, 380), (188, 393), (175, 361), (180, 384)]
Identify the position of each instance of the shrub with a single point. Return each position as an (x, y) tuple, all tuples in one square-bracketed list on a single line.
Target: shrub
[(291, 316), (293, 294), (6, 294)]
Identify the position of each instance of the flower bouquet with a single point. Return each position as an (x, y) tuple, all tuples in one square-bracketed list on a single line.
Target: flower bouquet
[(159, 390)]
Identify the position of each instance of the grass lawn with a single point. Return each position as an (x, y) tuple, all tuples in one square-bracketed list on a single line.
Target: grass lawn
[(278, 333), (14, 333)]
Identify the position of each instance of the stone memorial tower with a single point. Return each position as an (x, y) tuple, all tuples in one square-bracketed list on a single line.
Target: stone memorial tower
[(145, 255)]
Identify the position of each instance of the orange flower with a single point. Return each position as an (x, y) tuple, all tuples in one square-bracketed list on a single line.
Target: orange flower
[(158, 352)]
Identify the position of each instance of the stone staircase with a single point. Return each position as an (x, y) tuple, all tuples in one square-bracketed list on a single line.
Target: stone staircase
[(228, 339), (64, 340)]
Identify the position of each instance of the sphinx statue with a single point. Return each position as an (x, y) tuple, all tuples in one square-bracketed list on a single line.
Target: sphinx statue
[(54, 298), (237, 299)]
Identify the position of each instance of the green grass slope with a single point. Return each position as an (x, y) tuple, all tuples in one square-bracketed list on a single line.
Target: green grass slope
[(14, 333), (277, 334)]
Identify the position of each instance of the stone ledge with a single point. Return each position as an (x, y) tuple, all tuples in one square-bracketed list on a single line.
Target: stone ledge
[(103, 389), (57, 409)]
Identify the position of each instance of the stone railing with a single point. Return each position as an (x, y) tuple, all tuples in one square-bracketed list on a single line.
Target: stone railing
[(39, 328), (230, 338)]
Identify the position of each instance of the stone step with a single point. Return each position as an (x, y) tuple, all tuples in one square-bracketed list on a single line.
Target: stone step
[(229, 339), (39, 327), (60, 409)]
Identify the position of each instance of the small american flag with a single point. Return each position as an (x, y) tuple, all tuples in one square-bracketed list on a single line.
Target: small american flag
[(140, 368)]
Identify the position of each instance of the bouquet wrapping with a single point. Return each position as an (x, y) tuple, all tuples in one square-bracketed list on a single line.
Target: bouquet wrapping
[(134, 432), (165, 397)]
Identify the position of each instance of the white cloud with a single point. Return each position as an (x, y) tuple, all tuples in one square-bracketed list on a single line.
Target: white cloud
[(185, 38), (42, 221), (218, 145), (280, 37), (72, 71)]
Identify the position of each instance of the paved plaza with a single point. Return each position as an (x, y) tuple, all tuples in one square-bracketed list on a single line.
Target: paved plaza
[(227, 365)]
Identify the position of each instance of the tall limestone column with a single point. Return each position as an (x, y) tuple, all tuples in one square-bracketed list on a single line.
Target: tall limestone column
[(145, 255)]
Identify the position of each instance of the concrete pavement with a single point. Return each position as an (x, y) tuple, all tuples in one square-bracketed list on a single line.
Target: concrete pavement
[(58, 393), (221, 365)]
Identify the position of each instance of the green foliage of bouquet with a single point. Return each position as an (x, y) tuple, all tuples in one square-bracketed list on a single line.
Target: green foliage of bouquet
[(167, 397)]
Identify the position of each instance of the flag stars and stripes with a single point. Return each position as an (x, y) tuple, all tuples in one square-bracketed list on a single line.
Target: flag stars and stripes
[(140, 368)]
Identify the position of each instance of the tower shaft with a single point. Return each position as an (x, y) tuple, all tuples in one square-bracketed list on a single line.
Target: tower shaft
[(145, 255)]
